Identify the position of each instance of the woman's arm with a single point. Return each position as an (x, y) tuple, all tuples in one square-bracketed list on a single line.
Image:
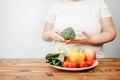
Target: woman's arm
[(45, 36), (108, 33), (50, 34)]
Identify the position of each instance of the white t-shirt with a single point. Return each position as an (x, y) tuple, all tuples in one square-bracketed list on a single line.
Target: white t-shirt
[(81, 16)]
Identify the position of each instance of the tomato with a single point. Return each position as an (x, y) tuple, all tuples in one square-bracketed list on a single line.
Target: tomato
[(83, 64), (68, 64), (90, 62), (72, 64), (65, 63)]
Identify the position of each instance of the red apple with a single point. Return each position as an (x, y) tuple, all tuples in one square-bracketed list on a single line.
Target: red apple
[(90, 55)]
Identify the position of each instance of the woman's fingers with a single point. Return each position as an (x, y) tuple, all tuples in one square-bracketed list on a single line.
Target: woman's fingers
[(83, 37), (56, 31), (73, 42), (85, 34), (79, 39), (60, 38), (57, 37)]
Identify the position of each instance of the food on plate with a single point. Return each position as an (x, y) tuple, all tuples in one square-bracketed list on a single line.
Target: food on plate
[(80, 55), (89, 62), (90, 54), (75, 58), (68, 33), (55, 59), (72, 54), (65, 63), (83, 64), (60, 50), (76, 54), (70, 64)]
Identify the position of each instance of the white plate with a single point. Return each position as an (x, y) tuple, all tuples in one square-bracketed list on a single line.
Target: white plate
[(76, 69)]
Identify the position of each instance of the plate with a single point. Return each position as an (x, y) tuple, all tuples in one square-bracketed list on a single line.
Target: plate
[(76, 69)]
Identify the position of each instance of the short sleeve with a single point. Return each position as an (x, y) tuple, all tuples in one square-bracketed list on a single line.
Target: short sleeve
[(104, 9), (51, 14)]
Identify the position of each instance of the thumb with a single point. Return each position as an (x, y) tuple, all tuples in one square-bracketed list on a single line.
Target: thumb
[(85, 34), (57, 31)]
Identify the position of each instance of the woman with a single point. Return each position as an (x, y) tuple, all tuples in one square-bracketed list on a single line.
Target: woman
[(91, 20)]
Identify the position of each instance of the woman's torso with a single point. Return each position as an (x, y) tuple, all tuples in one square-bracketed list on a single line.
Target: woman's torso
[(81, 16)]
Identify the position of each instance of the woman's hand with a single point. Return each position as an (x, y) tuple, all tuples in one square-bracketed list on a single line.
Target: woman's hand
[(54, 34), (50, 33), (107, 34), (84, 39)]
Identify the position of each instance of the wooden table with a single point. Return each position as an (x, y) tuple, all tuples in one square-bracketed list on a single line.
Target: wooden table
[(37, 69)]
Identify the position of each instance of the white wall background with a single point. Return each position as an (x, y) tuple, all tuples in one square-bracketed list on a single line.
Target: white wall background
[(113, 49), (21, 25)]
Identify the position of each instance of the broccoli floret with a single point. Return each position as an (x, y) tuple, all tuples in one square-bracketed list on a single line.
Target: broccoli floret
[(68, 33)]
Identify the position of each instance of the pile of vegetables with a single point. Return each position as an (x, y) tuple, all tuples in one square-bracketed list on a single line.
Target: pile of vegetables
[(57, 57), (74, 58)]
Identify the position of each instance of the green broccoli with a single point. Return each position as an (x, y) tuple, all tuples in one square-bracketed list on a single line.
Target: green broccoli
[(68, 33)]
